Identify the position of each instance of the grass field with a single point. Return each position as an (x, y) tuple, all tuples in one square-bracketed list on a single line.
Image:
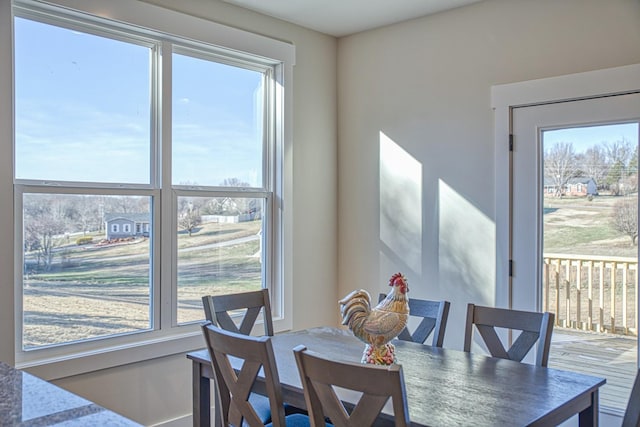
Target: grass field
[(93, 290), (575, 225)]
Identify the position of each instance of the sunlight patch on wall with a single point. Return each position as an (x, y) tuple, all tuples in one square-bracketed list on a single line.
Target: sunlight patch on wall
[(401, 204), (466, 246)]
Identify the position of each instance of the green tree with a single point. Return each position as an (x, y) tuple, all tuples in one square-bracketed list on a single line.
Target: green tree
[(616, 174)]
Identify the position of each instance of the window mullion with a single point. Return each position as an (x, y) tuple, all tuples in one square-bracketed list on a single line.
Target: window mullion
[(166, 225)]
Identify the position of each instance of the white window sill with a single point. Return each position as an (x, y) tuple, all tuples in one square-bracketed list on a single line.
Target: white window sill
[(189, 338)]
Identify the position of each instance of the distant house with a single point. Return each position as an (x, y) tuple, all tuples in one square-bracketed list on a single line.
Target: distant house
[(575, 187), (121, 225)]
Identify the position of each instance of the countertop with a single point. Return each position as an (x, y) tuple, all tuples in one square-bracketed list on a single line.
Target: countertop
[(26, 400)]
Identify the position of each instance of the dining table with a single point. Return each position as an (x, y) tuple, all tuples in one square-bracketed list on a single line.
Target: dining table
[(444, 387)]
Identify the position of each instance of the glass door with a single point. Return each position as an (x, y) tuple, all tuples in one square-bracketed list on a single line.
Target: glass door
[(575, 246)]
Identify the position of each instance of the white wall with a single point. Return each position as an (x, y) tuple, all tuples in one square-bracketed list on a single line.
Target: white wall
[(426, 85), (159, 391)]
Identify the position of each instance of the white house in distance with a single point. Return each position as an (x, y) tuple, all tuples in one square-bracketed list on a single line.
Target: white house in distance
[(122, 225)]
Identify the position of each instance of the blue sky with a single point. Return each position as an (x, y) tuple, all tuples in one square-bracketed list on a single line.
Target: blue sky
[(583, 138), (82, 112)]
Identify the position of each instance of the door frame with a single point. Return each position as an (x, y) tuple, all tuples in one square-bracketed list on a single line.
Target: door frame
[(506, 97)]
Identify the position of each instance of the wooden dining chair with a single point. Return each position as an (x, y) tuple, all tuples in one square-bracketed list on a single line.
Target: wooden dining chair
[(534, 327), (632, 413), (434, 316), (235, 388), (219, 308), (375, 384)]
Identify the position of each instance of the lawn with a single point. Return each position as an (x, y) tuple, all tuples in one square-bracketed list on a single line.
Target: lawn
[(575, 225), (94, 290)]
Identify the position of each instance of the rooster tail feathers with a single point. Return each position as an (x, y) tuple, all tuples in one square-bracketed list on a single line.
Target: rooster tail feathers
[(354, 308), (359, 293), (358, 301)]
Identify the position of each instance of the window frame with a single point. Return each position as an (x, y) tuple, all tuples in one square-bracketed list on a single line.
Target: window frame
[(166, 338)]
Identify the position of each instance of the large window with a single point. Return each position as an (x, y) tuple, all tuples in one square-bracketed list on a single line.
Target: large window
[(146, 167)]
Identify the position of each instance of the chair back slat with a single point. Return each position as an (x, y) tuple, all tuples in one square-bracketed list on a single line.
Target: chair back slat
[(234, 388), (434, 316), (422, 331), (492, 341), (219, 310), (522, 345), (377, 384), (535, 328)]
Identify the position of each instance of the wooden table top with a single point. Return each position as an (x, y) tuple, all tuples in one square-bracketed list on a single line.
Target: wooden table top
[(448, 387)]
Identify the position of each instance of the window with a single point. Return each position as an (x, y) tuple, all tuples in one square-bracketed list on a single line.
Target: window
[(109, 139), (218, 108)]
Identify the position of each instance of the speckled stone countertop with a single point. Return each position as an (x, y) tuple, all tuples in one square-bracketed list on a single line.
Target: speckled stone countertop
[(26, 400)]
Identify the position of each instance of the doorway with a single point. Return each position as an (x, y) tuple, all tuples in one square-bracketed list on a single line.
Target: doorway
[(574, 232), (532, 213)]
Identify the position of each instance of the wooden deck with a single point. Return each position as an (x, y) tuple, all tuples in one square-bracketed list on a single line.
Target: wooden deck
[(603, 355)]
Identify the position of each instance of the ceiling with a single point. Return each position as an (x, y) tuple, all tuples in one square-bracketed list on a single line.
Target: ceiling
[(343, 17)]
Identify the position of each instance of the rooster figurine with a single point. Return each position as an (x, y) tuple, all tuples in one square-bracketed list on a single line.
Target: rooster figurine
[(376, 327)]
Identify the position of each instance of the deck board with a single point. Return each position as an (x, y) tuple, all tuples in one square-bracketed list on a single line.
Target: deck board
[(604, 355)]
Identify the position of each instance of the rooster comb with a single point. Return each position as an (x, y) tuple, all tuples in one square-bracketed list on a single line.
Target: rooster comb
[(395, 277)]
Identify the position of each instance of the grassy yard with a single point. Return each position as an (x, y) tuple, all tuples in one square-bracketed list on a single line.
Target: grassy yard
[(582, 227), (97, 290)]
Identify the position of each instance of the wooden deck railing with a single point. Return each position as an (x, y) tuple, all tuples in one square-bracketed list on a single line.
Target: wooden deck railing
[(591, 293)]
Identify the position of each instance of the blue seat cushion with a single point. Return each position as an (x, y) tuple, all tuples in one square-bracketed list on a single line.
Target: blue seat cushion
[(260, 404), (297, 420)]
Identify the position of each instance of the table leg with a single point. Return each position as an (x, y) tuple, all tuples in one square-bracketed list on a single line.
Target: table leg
[(589, 416), (201, 397)]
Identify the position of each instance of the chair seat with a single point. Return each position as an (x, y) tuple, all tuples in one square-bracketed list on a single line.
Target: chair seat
[(298, 420), (262, 407)]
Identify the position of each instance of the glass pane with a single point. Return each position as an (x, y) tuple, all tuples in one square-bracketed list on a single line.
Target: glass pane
[(217, 124), (219, 250), (82, 106), (83, 276), (590, 270)]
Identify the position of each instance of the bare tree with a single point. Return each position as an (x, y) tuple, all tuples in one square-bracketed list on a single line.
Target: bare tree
[(560, 165), (189, 214), (87, 215), (619, 151), (234, 182), (593, 164), (43, 224), (126, 204), (625, 217)]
